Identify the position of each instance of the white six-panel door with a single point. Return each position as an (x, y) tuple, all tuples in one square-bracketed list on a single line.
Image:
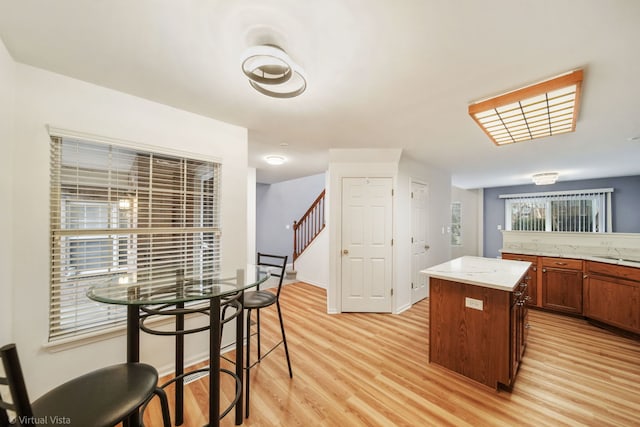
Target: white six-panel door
[(366, 244), (419, 245)]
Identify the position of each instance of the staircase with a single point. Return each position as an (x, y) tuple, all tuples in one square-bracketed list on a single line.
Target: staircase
[(307, 228)]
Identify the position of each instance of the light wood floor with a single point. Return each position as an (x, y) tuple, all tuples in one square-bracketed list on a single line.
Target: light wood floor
[(372, 370)]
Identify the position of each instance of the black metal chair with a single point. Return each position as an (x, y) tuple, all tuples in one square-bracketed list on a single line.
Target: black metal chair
[(103, 397), (256, 300)]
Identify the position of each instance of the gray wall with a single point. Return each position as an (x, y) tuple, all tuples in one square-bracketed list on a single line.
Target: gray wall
[(625, 205), (277, 206)]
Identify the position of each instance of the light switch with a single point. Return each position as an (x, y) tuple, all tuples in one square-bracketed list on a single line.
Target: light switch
[(476, 304)]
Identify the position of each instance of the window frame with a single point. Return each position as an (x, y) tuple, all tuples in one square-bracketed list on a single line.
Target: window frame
[(114, 233), (601, 204)]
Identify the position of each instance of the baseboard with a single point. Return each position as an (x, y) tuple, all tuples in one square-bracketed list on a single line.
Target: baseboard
[(403, 308), (312, 282)]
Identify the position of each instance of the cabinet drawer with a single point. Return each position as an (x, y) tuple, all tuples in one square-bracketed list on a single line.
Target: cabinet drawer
[(568, 263), (613, 270), (517, 257)]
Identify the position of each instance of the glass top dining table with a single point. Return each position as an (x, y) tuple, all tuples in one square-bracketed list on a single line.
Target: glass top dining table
[(178, 289), (174, 292)]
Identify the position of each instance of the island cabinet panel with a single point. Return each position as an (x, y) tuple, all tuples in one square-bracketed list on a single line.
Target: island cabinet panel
[(562, 284), (611, 297), (532, 275), (472, 341)]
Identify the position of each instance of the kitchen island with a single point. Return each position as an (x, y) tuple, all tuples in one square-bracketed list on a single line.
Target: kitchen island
[(478, 317)]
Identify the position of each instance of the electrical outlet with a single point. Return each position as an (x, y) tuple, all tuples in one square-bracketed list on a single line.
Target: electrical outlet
[(476, 304)]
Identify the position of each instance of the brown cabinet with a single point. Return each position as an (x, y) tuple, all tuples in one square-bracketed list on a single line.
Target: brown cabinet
[(612, 295), (519, 325), (605, 292), (484, 344), (562, 284), (532, 288)]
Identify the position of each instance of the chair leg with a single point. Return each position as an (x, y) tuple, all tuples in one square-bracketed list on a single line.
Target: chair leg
[(284, 340), (247, 365), (164, 405)]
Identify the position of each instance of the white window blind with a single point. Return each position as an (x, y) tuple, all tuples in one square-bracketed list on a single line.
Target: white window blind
[(125, 215), (586, 211)]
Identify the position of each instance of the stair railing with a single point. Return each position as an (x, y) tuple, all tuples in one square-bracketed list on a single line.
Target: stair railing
[(308, 227)]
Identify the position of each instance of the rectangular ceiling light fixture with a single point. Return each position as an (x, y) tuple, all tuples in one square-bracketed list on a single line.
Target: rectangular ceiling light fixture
[(537, 111)]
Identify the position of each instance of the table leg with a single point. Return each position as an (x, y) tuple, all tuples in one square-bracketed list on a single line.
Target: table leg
[(214, 362), (240, 360), (179, 368), (133, 350)]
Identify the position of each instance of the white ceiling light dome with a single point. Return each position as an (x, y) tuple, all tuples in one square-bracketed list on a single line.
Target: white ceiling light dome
[(545, 178), (272, 72), (275, 159)]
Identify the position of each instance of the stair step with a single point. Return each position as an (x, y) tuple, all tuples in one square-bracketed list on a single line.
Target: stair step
[(291, 274)]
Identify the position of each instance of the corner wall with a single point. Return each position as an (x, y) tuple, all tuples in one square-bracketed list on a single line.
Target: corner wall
[(7, 99), (46, 98), (438, 219), (471, 222), (277, 206)]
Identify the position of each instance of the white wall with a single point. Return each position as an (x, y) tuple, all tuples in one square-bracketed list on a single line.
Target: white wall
[(7, 97), (471, 218), (438, 219), (312, 265), (251, 216), (45, 98)]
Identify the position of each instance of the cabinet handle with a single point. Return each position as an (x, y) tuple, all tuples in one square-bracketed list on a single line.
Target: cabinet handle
[(535, 268), (527, 326), (560, 263), (544, 270), (585, 276)]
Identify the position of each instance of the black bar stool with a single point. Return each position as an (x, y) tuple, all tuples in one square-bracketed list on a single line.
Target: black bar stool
[(103, 397)]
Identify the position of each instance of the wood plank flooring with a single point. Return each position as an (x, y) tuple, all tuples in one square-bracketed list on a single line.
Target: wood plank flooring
[(362, 369)]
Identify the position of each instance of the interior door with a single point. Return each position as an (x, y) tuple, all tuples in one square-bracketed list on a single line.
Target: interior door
[(419, 246), (366, 244)]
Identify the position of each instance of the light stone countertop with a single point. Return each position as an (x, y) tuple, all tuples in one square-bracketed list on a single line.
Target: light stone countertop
[(492, 273), (586, 257)]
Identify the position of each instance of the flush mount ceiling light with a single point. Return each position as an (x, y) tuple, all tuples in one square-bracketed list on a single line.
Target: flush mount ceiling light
[(545, 178), (272, 72), (275, 160), (543, 109)]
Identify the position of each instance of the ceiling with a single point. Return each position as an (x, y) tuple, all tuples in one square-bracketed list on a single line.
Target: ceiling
[(381, 74)]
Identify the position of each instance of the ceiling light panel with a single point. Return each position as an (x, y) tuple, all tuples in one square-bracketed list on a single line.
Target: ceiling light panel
[(541, 110)]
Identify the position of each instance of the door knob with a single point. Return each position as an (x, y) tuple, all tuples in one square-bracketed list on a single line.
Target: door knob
[(345, 251), (427, 246)]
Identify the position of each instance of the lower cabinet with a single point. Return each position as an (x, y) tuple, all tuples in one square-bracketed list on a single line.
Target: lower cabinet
[(562, 284), (612, 296), (485, 344), (605, 292)]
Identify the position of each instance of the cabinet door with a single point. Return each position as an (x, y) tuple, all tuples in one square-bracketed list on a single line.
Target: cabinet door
[(514, 345), (613, 301), (524, 328), (532, 286), (562, 289)]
